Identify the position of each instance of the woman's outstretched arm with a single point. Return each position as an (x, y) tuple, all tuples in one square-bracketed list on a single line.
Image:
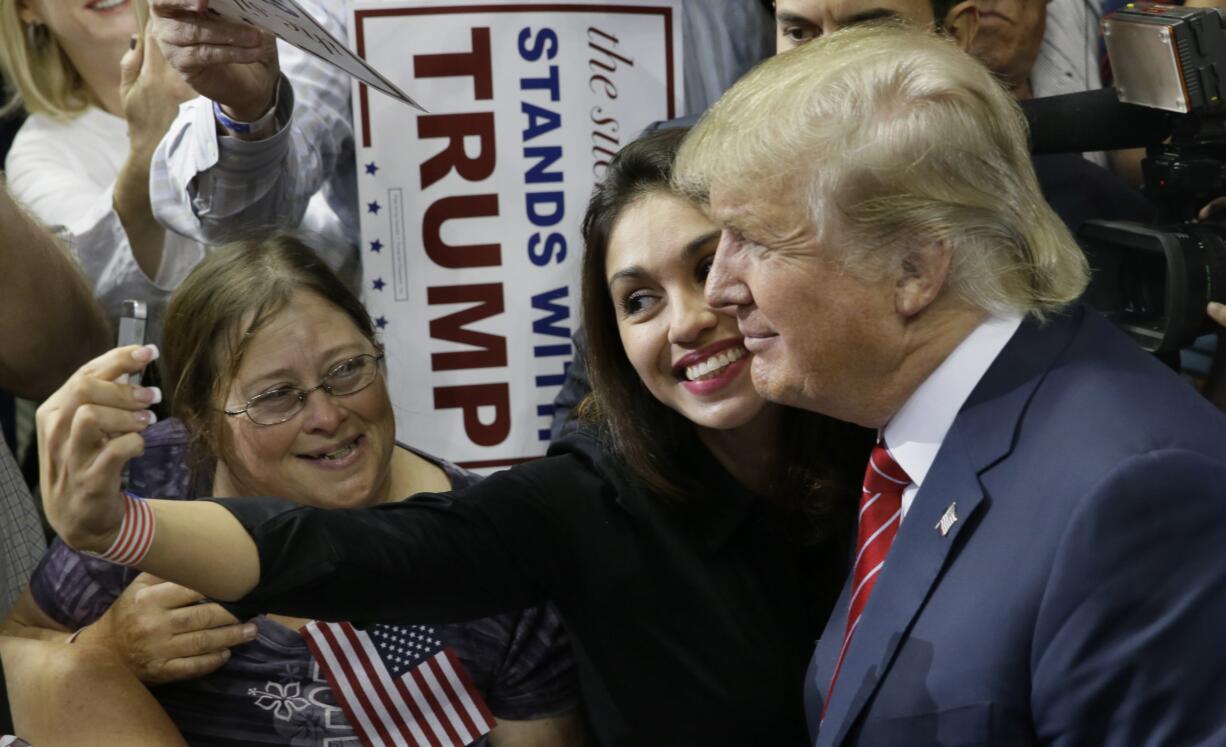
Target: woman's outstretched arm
[(87, 432), (499, 545)]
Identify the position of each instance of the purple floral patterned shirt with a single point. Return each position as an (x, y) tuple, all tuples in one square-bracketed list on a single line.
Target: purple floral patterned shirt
[(271, 691)]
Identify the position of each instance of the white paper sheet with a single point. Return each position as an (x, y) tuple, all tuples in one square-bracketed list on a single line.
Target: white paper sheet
[(290, 22)]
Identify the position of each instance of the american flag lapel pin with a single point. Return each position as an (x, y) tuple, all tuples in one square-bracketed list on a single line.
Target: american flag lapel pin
[(948, 519)]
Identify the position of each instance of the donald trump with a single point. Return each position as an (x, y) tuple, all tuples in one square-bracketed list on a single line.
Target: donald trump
[(1039, 552)]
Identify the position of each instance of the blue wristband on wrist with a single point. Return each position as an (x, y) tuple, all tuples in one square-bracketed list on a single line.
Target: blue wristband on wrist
[(246, 128)]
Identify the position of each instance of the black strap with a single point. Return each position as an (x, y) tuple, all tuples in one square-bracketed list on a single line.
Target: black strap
[(6, 714)]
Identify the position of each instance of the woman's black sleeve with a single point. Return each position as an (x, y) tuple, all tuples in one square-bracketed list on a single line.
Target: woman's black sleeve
[(501, 544)]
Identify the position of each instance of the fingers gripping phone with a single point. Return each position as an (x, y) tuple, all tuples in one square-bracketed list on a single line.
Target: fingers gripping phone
[(132, 329)]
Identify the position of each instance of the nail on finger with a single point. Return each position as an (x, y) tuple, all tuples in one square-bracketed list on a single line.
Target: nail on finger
[(150, 395), (145, 353)]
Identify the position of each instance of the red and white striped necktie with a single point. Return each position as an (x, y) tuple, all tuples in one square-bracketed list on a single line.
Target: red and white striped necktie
[(880, 514)]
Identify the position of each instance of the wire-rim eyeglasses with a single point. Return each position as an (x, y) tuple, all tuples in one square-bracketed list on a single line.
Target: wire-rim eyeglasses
[(279, 405)]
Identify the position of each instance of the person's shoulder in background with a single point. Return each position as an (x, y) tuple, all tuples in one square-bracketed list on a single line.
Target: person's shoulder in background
[(723, 39), (1079, 190)]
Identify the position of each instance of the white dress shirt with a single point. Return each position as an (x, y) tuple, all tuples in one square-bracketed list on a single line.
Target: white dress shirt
[(1068, 56), (915, 433)]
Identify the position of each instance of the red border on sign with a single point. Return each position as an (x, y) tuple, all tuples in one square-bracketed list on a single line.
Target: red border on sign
[(361, 15)]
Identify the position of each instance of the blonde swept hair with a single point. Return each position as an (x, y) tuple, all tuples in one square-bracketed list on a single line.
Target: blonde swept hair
[(41, 80), (895, 138)]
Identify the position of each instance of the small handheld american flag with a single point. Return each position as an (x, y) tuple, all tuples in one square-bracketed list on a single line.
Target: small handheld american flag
[(399, 685)]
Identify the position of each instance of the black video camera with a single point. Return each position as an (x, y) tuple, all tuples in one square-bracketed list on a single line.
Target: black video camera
[(1155, 281)]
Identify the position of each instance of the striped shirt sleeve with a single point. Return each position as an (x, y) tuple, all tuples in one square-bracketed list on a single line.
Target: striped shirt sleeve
[(213, 187)]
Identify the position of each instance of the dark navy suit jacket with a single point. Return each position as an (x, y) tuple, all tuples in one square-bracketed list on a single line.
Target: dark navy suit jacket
[(1080, 598)]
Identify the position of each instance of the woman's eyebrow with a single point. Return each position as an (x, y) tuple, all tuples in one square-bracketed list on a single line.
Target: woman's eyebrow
[(699, 243), (632, 272), (258, 382), (694, 246), (288, 373)]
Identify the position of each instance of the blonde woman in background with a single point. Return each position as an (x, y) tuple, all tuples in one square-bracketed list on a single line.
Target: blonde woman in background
[(98, 100)]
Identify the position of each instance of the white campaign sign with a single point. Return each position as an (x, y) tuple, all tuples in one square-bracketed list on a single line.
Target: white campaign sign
[(288, 21), (471, 214)]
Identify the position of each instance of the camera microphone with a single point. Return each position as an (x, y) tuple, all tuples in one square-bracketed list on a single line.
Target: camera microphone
[(1093, 120)]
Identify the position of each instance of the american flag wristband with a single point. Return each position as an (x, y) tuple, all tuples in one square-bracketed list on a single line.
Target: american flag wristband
[(135, 533)]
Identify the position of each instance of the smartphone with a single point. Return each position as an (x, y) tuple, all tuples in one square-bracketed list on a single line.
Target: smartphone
[(132, 329)]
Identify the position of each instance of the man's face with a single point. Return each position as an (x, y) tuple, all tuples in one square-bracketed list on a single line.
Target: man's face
[(822, 339), (799, 21), (1008, 39)]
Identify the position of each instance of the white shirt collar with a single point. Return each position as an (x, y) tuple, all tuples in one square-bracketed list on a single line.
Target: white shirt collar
[(915, 433)]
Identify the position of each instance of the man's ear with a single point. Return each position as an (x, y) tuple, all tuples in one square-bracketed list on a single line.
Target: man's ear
[(961, 23), (923, 275)]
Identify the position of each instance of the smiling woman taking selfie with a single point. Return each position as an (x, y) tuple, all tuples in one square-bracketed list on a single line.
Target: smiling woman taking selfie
[(691, 535)]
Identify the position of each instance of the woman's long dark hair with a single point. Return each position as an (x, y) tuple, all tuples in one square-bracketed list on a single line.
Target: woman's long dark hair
[(821, 459)]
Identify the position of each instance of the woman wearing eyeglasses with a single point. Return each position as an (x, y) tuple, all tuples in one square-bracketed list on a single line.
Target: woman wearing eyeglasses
[(278, 389)]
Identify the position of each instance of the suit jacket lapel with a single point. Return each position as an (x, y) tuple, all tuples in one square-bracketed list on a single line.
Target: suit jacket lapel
[(980, 436), (821, 667), (915, 561)]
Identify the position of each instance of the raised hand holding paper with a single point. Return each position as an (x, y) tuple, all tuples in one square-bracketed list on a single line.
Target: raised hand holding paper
[(288, 21)]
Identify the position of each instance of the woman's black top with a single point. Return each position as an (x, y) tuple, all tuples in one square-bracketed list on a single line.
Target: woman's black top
[(690, 626)]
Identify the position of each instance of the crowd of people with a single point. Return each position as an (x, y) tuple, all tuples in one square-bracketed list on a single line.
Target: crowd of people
[(843, 458)]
